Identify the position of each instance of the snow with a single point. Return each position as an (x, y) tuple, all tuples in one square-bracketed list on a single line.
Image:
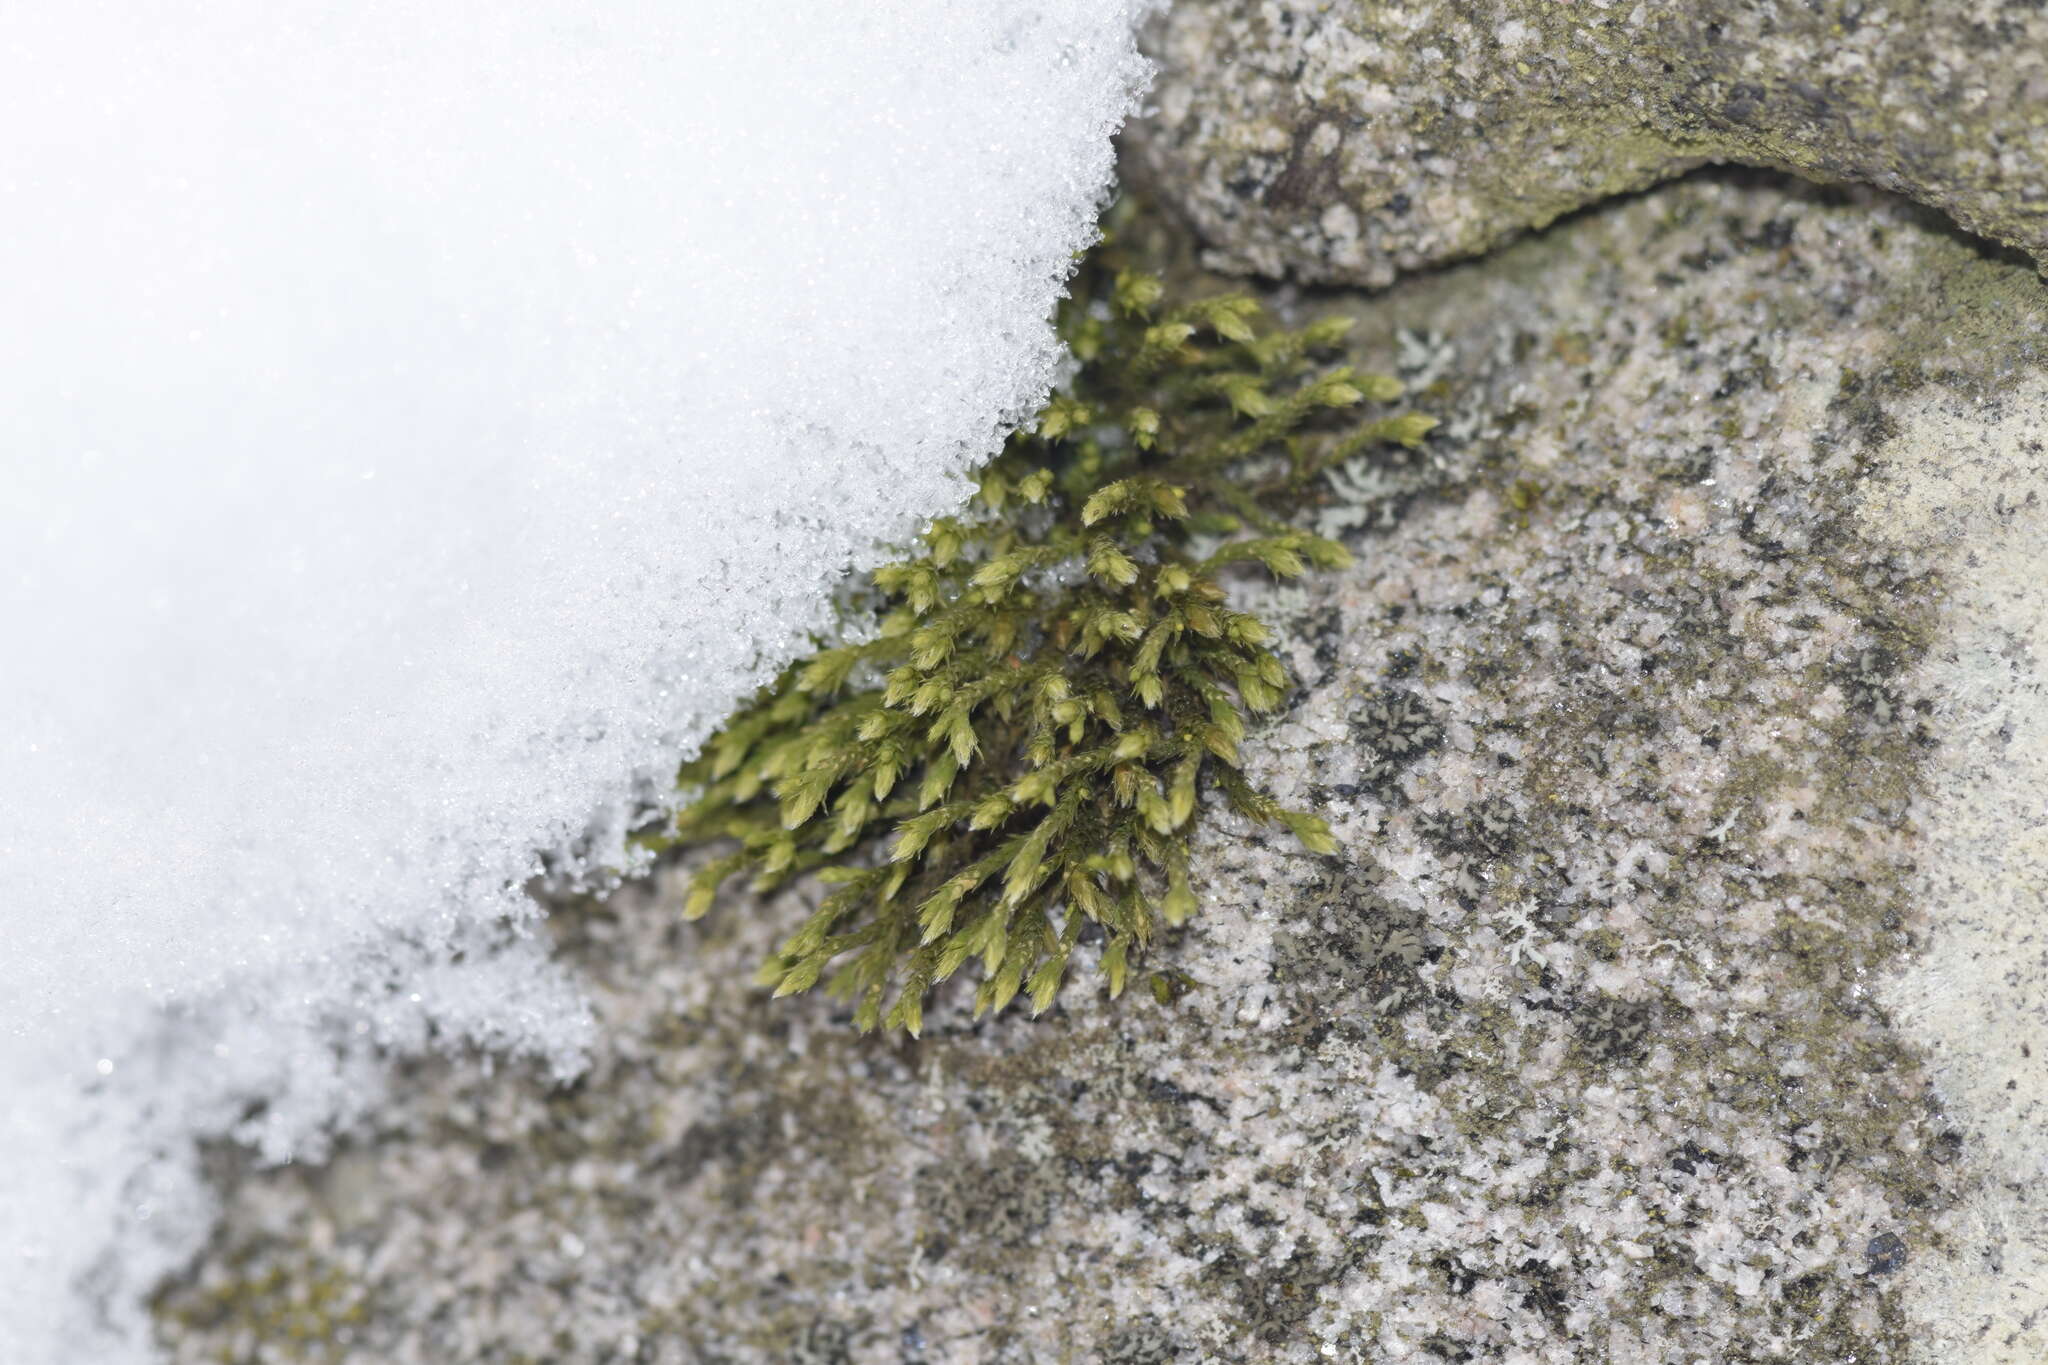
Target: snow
[(418, 424)]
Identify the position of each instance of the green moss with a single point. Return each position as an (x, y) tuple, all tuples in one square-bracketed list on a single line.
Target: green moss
[(1013, 759)]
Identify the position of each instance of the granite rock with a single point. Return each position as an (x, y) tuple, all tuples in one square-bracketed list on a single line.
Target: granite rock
[(1346, 142), (1676, 722)]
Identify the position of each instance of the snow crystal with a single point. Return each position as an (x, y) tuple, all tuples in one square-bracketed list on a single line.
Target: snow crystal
[(418, 424)]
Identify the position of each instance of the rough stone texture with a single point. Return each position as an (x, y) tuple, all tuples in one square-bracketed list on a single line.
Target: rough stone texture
[(1969, 480), (1347, 141), (1575, 1054)]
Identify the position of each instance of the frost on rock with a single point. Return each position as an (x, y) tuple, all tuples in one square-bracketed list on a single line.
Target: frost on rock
[(417, 426)]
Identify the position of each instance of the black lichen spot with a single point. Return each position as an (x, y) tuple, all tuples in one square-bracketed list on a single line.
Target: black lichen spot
[(1545, 1292), (1743, 103), (1617, 1031), (1886, 1253), (1308, 178), (1691, 1157), (1324, 632), (1143, 1342), (1858, 408), (985, 1209), (1807, 1295), (1457, 1278), (1869, 681), (1272, 1302), (1439, 829), (824, 1343), (1774, 235), (1487, 829), (1246, 186), (1358, 952), (1693, 466), (1396, 729), (1734, 382)]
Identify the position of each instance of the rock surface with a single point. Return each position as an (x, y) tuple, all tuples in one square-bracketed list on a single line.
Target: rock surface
[(1967, 481), (1345, 142), (1685, 690)]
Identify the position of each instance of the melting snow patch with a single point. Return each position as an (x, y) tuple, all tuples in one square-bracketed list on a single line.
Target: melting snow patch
[(418, 423)]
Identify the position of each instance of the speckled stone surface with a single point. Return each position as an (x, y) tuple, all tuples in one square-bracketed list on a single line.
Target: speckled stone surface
[(1968, 481), (1582, 1050), (1348, 141)]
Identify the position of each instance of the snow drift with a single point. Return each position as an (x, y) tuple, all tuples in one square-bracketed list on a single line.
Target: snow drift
[(418, 423)]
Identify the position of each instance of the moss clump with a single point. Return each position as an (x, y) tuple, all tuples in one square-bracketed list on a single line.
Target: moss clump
[(1014, 760)]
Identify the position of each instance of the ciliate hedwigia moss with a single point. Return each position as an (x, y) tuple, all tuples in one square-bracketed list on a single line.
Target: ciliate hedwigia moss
[(1012, 762)]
